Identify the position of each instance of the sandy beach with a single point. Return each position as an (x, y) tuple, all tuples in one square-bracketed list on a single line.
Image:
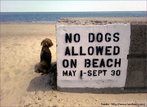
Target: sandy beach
[(22, 87)]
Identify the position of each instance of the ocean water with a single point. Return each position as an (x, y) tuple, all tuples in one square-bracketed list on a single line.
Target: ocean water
[(54, 16)]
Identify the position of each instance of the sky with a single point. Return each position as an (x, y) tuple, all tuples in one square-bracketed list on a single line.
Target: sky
[(72, 5)]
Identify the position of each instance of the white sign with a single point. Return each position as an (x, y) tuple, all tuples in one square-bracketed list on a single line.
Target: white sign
[(93, 56)]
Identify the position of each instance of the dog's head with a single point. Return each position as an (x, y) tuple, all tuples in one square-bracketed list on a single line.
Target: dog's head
[(47, 42)]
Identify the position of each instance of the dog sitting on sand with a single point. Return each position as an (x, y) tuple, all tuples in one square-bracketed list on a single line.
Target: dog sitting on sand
[(45, 57)]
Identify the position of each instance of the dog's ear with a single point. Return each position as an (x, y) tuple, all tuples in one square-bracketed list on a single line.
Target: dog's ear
[(42, 42)]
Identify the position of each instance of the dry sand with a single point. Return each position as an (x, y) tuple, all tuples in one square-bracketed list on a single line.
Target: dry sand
[(22, 87)]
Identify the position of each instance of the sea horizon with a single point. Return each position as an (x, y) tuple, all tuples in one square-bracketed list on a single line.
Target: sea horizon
[(69, 11), (13, 17)]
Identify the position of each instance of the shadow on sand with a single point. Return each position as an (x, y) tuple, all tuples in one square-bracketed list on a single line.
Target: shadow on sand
[(44, 82)]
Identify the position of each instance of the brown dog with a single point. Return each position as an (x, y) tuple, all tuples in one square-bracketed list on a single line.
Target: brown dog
[(45, 57)]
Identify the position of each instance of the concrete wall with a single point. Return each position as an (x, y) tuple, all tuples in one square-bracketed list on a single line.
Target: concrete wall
[(137, 65), (137, 59)]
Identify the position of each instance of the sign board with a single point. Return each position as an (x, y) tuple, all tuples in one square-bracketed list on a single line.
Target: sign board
[(93, 56)]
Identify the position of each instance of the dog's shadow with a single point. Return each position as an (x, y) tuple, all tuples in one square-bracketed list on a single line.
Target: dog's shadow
[(44, 82)]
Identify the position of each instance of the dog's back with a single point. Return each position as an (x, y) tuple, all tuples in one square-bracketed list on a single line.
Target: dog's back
[(46, 55)]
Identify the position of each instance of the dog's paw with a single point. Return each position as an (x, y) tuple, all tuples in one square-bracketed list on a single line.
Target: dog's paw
[(36, 68)]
